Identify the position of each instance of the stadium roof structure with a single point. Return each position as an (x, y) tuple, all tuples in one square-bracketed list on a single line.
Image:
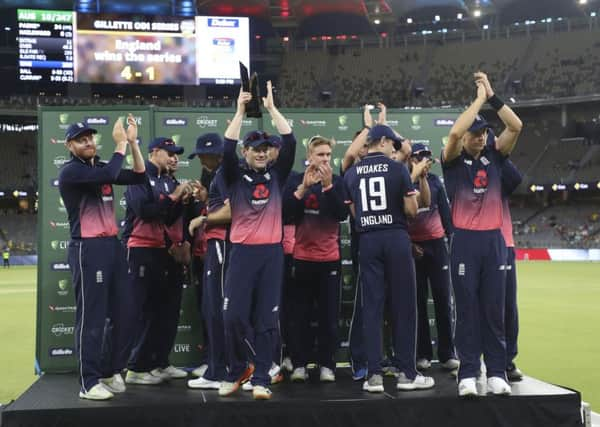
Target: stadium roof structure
[(317, 17)]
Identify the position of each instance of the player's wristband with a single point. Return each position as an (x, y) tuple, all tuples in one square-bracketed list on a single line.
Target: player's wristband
[(495, 102), (367, 127)]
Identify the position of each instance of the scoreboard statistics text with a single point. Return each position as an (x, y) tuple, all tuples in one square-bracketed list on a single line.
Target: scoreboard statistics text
[(63, 46)]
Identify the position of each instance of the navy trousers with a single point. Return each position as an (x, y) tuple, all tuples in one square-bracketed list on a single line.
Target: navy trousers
[(433, 272), (386, 259), (251, 308), (105, 313), (215, 263), (168, 313), (148, 279), (315, 282), (511, 317), (478, 267)]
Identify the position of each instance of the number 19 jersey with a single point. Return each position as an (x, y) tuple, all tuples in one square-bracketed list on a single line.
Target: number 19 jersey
[(377, 186)]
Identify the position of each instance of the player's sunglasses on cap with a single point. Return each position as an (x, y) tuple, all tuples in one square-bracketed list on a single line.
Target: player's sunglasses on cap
[(256, 138), (166, 144)]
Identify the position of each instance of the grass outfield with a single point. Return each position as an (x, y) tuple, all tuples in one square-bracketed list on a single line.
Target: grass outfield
[(17, 330), (559, 342)]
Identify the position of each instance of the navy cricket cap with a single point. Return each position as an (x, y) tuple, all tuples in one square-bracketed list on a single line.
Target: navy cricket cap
[(256, 138), (276, 141), (379, 131), (209, 143), (166, 144), (479, 124), (76, 129), (420, 149)]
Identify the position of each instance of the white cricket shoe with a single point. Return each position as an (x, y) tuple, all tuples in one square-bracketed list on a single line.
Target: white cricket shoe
[(98, 392)]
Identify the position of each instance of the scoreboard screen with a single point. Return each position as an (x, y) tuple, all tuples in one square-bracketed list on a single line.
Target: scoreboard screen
[(45, 45), (63, 46), (141, 49)]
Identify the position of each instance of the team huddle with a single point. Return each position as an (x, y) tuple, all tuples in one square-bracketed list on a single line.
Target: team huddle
[(262, 242)]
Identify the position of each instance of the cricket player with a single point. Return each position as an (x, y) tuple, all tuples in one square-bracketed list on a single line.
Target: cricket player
[(97, 258), (382, 196), (253, 282), (473, 178)]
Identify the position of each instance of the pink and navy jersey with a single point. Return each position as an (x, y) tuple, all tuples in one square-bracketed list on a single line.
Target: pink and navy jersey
[(289, 239), (507, 227), (317, 216), (475, 189), (86, 190), (377, 186), (149, 209), (435, 221), (176, 229), (217, 194), (511, 178), (256, 196)]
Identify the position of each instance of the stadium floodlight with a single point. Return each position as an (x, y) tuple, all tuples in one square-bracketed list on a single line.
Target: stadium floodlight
[(583, 2), (409, 20), (486, 27), (459, 16), (477, 13), (377, 21), (593, 14), (437, 18)]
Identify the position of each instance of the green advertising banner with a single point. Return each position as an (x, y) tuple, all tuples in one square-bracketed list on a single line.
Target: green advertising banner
[(56, 304)]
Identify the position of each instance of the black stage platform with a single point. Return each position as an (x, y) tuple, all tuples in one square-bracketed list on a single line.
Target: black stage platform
[(53, 401)]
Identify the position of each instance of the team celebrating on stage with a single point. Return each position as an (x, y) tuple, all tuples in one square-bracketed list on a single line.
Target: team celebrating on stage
[(263, 244)]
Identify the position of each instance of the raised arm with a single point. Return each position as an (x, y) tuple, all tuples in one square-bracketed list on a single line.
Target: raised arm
[(465, 120), (513, 125), (358, 142), (232, 136), (285, 162)]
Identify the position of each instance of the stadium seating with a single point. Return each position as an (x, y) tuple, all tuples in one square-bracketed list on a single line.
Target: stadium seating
[(20, 231)]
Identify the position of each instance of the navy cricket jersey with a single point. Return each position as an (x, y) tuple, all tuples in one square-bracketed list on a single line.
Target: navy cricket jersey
[(87, 193), (377, 186), (511, 178), (317, 216), (474, 188), (256, 197), (435, 221), (217, 194), (176, 231), (149, 208)]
